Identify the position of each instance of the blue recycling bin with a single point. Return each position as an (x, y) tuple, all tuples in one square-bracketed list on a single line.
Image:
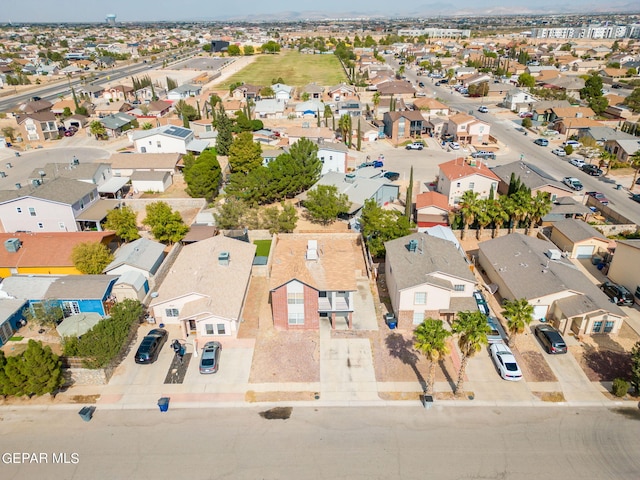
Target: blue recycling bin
[(163, 404), (86, 413)]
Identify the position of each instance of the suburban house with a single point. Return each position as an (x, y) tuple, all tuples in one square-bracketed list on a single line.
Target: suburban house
[(623, 149), (142, 256), (151, 181), (312, 278), (250, 92), (167, 139), (579, 239), (427, 276), (432, 208), (314, 91), (270, 108), (359, 189), (118, 92), (518, 101), (35, 106), (184, 91), (340, 92), (457, 176), (531, 177), (51, 207), (333, 157), (89, 172), (123, 165), (30, 253), (527, 267), (205, 290), (75, 294), (158, 108), (404, 125), (282, 91), (310, 108), (627, 253), (38, 126), (467, 129), (117, 123)]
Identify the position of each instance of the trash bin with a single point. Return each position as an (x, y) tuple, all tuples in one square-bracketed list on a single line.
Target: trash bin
[(390, 320), (427, 401), (86, 413), (163, 403), (618, 187)]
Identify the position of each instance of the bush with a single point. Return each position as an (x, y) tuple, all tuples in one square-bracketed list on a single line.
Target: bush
[(526, 122), (620, 387), (568, 149)]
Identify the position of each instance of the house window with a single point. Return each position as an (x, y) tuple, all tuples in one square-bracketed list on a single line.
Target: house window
[(322, 294), (61, 226), (143, 149), (171, 312), (32, 211), (296, 318), (70, 308), (494, 186), (40, 225), (159, 144), (418, 318), (221, 330), (471, 185), (597, 326), (608, 327), (459, 288), (420, 298), (91, 196), (295, 298), (18, 210), (209, 329)]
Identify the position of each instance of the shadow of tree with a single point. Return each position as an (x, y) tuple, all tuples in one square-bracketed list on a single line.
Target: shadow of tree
[(402, 349), (607, 365)]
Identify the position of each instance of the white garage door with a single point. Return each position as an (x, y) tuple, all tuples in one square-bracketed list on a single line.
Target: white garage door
[(540, 311), (584, 251)]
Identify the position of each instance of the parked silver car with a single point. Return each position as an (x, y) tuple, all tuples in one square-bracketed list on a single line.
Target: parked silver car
[(210, 358)]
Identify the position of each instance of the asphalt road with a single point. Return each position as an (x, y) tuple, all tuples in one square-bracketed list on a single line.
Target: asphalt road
[(328, 443)]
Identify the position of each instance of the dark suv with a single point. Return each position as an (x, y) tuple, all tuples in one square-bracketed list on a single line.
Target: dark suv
[(551, 339), (592, 170), (617, 293), (151, 345)]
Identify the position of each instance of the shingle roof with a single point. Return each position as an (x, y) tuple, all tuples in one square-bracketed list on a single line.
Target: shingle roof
[(577, 230), (433, 256), (529, 175), (141, 253), (162, 161), (521, 263), (80, 287), (62, 190), (333, 270)]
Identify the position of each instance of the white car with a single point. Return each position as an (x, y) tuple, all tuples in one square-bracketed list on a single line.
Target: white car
[(573, 143), (483, 109), (576, 162), (505, 362), (454, 145), (559, 152), (573, 182)]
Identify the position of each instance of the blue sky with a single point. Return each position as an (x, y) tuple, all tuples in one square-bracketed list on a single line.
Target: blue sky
[(140, 10)]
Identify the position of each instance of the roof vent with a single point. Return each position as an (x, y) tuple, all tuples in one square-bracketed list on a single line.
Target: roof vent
[(312, 250), (554, 254), (12, 244), (350, 177), (18, 186), (413, 245), (223, 258)]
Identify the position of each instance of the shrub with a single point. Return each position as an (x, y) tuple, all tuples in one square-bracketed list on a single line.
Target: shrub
[(620, 387)]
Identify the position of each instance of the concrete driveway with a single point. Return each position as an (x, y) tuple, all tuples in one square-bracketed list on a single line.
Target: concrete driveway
[(576, 387)]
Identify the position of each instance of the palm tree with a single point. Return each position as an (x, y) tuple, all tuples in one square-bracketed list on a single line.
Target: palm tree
[(635, 163), (468, 209), (540, 205), (498, 215), (483, 216), (376, 102), (97, 129), (431, 340), (345, 127), (472, 330), (519, 314)]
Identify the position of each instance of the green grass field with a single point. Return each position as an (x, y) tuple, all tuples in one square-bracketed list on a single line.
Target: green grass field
[(295, 69), (262, 247)]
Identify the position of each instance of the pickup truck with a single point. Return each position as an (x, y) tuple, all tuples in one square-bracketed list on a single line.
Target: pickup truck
[(572, 182)]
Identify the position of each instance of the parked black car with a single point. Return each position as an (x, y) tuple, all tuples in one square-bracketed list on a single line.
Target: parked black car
[(617, 293), (151, 345), (592, 170), (551, 339)]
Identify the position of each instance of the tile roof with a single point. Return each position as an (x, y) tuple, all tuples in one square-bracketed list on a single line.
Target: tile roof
[(48, 249), (459, 168), (433, 256), (335, 268), (436, 199)]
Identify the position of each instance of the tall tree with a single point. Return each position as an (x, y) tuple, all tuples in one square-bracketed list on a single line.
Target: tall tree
[(230, 213), (380, 226), (592, 93), (165, 224), (468, 208), (123, 221), (35, 371), (376, 102), (224, 127), (540, 206), (345, 128), (483, 215), (359, 137), (324, 204), (519, 313), (244, 154), (430, 339), (202, 176), (472, 330), (91, 258), (634, 161), (408, 204)]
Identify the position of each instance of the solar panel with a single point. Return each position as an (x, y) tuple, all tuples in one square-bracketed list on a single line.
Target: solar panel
[(178, 132)]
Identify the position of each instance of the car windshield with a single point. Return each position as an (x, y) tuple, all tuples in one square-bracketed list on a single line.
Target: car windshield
[(207, 362)]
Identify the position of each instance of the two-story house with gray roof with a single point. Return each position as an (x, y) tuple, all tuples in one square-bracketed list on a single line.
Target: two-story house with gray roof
[(53, 206), (427, 276), (534, 269)]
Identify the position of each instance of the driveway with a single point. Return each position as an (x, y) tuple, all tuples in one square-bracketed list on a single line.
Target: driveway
[(576, 387)]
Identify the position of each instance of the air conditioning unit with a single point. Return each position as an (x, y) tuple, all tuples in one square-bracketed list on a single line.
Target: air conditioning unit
[(12, 244), (554, 254)]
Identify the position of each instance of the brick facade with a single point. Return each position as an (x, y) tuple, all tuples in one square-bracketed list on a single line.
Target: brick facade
[(280, 310)]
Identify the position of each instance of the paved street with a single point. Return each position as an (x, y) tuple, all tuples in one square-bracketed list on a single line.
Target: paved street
[(327, 443)]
